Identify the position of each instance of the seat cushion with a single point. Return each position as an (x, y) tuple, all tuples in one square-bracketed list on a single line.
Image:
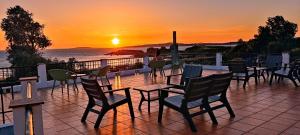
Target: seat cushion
[(214, 98), (284, 72), (190, 71), (112, 99), (250, 73), (177, 101)]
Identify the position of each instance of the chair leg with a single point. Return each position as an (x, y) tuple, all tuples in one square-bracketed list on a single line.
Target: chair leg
[(53, 87), (99, 119), (210, 112), (131, 109), (188, 117), (86, 112), (62, 87), (226, 103), (160, 111), (271, 79), (245, 81), (67, 83), (293, 80)]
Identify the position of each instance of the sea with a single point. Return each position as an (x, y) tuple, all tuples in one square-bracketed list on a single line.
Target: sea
[(81, 54)]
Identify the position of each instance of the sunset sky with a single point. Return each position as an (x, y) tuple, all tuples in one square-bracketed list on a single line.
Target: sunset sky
[(94, 23)]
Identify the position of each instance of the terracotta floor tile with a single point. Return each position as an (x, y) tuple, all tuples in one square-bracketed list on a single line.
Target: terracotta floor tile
[(252, 121), (283, 121), (261, 117), (227, 131), (241, 126), (275, 126), (259, 109), (292, 131), (264, 131)]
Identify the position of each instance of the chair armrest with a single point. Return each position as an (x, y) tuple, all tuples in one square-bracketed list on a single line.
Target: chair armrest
[(173, 75), (114, 90), (177, 86), (169, 78), (108, 85), (179, 91)]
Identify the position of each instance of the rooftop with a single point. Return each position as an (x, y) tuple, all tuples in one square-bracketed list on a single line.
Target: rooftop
[(259, 109)]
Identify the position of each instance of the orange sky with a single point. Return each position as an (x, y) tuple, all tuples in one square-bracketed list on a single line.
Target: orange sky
[(94, 23)]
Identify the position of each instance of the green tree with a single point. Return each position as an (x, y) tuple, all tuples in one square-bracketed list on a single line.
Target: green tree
[(25, 37), (277, 33)]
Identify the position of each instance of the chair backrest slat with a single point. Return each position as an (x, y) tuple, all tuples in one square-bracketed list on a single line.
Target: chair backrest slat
[(93, 89), (59, 74), (221, 83), (190, 71), (273, 61), (237, 66), (197, 88)]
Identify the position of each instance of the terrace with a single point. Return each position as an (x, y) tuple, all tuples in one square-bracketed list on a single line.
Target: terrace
[(259, 109)]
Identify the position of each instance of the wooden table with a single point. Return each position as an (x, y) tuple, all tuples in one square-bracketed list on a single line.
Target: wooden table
[(258, 71), (74, 77), (148, 89)]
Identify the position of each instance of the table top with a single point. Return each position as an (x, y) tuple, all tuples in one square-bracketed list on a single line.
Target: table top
[(78, 75), (153, 87), (257, 68)]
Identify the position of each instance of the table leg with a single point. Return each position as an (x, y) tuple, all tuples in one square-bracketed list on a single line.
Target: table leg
[(2, 106), (263, 74), (148, 102), (141, 101), (12, 92), (256, 75), (75, 85)]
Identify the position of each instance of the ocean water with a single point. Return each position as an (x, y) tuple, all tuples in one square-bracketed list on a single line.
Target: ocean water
[(81, 54)]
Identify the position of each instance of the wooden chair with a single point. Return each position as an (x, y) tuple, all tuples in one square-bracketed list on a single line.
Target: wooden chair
[(102, 74), (177, 66), (189, 71), (241, 71), (218, 91), (107, 100), (62, 76), (272, 63), (194, 95), (286, 72), (200, 92), (157, 65)]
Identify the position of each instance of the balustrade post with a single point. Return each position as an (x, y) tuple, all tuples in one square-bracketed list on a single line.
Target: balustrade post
[(42, 74), (146, 63), (104, 62), (218, 59)]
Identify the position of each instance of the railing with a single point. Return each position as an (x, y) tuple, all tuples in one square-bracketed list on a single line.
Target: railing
[(78, 67), (87, 66), (125, 64), (196, 58), (14, 73)]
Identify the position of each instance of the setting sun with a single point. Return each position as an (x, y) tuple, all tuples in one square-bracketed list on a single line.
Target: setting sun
[(115, 41)]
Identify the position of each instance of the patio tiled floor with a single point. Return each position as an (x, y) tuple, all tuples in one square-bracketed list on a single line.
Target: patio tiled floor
[(259, 109)]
